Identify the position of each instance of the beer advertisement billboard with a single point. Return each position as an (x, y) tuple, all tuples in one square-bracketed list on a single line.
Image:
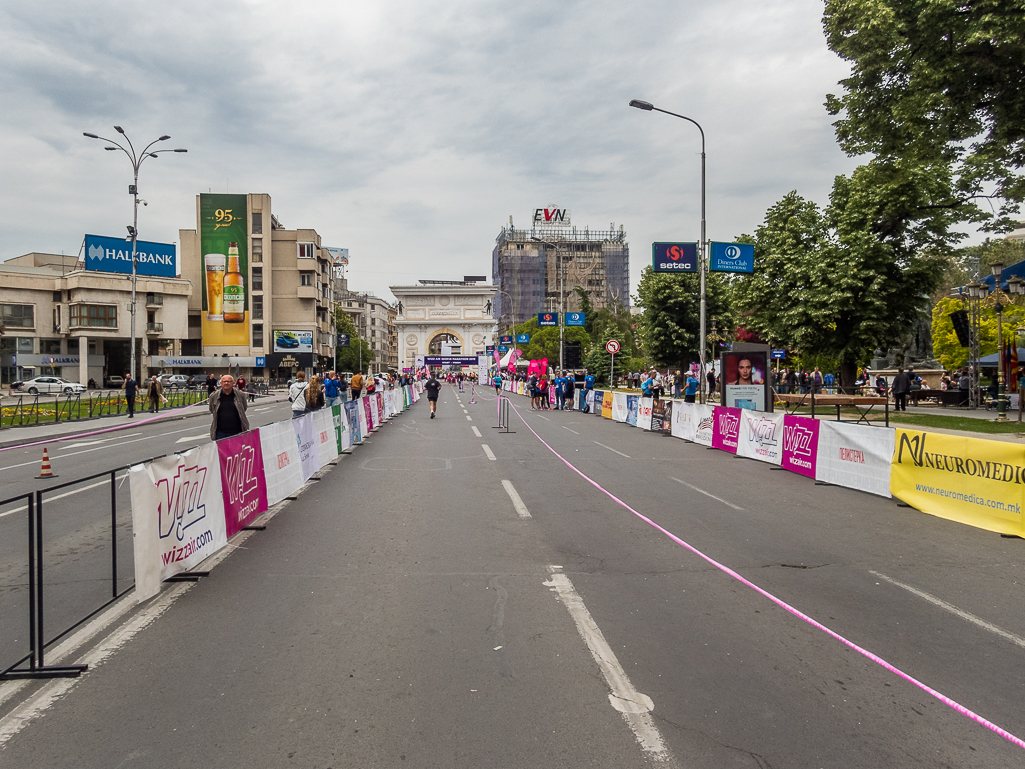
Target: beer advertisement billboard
[(224, 249)]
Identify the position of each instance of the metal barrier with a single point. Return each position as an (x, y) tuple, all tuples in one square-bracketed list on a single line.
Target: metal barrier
[(503, 416)]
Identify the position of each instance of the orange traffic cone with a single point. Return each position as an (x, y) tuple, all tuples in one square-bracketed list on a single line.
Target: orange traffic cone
[(44, 469)]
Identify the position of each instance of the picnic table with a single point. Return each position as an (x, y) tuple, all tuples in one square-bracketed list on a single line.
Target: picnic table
[(863, 404)]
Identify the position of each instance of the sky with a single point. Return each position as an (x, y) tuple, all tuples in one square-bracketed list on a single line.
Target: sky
[(410, 131)]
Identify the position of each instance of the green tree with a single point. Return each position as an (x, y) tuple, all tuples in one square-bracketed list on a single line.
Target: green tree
[(348, 358), (948, 349), (936, 83), (599, 363)]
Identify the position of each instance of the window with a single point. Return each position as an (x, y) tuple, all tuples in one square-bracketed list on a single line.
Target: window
[(257, 223), (56, 296), (17, 315), (257, 335), (307, 250), (49, 346), (257, 308), (305, 278), (104, 315), (258, 279), (257, 250)]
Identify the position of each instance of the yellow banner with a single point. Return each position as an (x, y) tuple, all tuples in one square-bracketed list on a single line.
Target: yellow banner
[(606, 405), (970, 480)]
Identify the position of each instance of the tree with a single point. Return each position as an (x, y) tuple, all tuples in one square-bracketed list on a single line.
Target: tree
[(936, 84), (945, 344), (599, 362), (348, 358), (671, 320)]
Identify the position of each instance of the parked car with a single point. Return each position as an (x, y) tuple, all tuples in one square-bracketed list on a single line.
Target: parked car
[(173, 380), (197, 381), (48, 385), (114, 382)]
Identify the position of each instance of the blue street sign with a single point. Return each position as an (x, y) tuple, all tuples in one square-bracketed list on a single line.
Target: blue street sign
[(505, 340), (732, 257), (115, 255), (547, 319), (503, 348), (261, 361), (523, 339), (674, 257), (779, 354), (575, 319), (490, 349)]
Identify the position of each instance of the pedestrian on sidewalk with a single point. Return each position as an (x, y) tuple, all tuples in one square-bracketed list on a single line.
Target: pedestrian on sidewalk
[(228, 409), (331, 389), (571, 387), (432, 387), (315, 394), (692, 387), (156, 392), (211, 385), (356, 384), (297, 395), (901, 386), (588, 391), (131, 388)]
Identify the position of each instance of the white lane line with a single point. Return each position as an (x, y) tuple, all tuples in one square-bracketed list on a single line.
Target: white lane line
[(613, 450), (469, 418), (489, 452), (570, 429), (476, 431), (702, 491), (88, 443), (978, 621), (61, 496), (186, 438), (521, 509), (634, 706), (465, 411), (544, 418)]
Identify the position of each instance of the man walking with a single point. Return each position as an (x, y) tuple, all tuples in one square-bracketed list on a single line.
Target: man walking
[(228, 407), (588, 392), (432, 387), (131, 387), (356, 384), (156, 392), (900, 387), (570, 390)]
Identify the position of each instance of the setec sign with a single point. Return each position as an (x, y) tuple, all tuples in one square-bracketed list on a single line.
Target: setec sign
[(674, 257), (547, 319), (732, 257), (104, 254)]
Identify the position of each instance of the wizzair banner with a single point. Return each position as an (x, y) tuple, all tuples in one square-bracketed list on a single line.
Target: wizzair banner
[(327, 438), (683, 420), (632, 401), (243, 483), (282, 469), (761, 436), (726, 429), (855, 456), (644, 413), (307, 441), (379, 405), (619, 407), (177, 515), (704, 424), (800, 444), (352, 410)]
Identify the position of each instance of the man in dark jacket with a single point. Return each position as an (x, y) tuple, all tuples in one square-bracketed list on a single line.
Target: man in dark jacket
[(131, 388), (228, 408), (900, 387)]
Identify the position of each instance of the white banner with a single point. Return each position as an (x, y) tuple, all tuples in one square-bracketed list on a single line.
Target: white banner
[(644, 413), (619, 409), (761, 436), (307, 442), (703, 424), (281, 464), (855, 456), (326, 437), (683, 420), (342, 426), (177, 515)]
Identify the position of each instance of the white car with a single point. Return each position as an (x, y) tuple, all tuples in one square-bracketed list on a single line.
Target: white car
[(173, 380), (50, 384)]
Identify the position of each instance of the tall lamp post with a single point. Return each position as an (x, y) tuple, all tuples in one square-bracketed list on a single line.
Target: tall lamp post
[(997, 299), (649, 107), (562, 316), (133, 190)]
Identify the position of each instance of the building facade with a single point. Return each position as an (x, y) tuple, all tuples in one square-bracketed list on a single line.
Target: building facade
[(374, 319), (456, 314)]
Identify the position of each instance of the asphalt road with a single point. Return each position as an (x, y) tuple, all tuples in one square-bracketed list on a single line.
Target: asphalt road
[(407, 611)]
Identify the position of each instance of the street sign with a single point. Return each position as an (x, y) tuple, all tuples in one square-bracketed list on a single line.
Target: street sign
[(612, 346), (575, 319), (490, 349), (523, 339), (505, 340), (503, 348), (674, 257), (779, 354), (343, 340), (732, 257), (547, 319)]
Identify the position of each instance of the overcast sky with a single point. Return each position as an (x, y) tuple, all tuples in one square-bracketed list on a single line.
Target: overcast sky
[(409, 131)]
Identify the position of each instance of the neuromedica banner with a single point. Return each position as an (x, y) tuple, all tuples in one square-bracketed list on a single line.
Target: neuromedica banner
[(970, 480)]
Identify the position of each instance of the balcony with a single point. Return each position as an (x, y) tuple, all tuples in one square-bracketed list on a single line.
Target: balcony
[(154, 328), (307, 292), (154, 300)]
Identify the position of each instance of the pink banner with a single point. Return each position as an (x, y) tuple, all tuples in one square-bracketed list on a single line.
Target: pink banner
[(243, 484), (371, 422), (725, 428), (800, 444)]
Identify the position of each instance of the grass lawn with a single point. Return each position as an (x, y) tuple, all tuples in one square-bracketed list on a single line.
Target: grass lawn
[(947, 421)]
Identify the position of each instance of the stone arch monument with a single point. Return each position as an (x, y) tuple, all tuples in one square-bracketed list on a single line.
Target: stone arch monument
[(457, 308)]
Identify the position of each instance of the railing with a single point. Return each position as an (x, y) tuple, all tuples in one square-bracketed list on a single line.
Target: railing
[(154, 328), (23, 410)]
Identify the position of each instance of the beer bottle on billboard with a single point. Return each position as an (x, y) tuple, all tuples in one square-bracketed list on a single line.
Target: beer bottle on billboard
[(234, 289)]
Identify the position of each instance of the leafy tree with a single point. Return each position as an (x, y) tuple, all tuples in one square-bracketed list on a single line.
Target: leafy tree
[(936, 83), (945, 345), (348, 358), (599, 362), (544, 341)]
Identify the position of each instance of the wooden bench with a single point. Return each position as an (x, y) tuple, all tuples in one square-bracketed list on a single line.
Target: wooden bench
[(858, 402)]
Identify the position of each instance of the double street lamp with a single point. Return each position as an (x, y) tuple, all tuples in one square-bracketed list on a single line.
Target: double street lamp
[(649, 107), (996, 299), (133, 190)]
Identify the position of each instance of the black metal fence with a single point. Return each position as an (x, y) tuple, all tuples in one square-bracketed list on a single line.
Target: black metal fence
[(26, 409)]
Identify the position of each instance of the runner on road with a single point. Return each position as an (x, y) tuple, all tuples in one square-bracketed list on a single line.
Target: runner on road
[(432, 387)]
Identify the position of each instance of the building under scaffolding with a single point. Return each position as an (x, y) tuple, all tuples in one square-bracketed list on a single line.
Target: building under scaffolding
[(525, 266)]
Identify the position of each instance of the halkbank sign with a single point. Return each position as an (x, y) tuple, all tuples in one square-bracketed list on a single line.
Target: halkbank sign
[(104, 254)]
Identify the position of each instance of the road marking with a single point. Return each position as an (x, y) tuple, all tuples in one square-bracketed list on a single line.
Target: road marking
[(46, 499), (544, 418), (476, 431), (465, 411), (489, 452), (702, 491), (521, 509), (570, 429), (469, 418), (613, 450), (634, 706), (1015, 639), (186, 438), (98, 448), (88, 443)]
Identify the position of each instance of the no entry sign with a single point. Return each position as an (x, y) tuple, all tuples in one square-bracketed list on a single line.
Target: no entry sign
[(612, 346)]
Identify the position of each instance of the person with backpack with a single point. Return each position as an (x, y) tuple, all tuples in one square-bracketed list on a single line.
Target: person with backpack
[(356, 385), (297, 395)]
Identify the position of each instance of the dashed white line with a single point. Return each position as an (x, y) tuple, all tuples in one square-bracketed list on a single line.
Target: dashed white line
[(469, 418), (570, 429), (521, 509), (60, 496), (489, 452), (702, 491), (544, 418), (613, 450), (476, 431)]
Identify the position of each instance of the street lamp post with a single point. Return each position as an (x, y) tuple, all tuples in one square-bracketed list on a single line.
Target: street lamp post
[(562, 315), (133, 190), (648, 107), (997, 298)]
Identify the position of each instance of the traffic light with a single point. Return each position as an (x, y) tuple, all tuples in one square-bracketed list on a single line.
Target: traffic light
[(960, 321), (572, 354)]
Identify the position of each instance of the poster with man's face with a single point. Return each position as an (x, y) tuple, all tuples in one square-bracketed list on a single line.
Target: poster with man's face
[(744, 378)]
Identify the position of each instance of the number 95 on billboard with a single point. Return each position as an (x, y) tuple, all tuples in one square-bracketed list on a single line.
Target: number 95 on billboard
[(674, 257)]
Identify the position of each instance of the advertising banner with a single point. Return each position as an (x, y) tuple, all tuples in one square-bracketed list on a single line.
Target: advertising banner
[(658, 416), (704, 424), (363, 412), (732, 257), (606, 404), (293, 341), (177, 516), (619, 408), (855, 456), (547, 319), (283, 472), (800, 445), (632, 402), (115, 255), (575, 319), (307, 441), (726, 429), (683, 421), (969, 480), (598, 399), (379, 403), (644, 413), (327, 438), (243, 481), (745, 377), (224, 249), (761, 436), (674, 257), (352, 410), (341, 425)]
